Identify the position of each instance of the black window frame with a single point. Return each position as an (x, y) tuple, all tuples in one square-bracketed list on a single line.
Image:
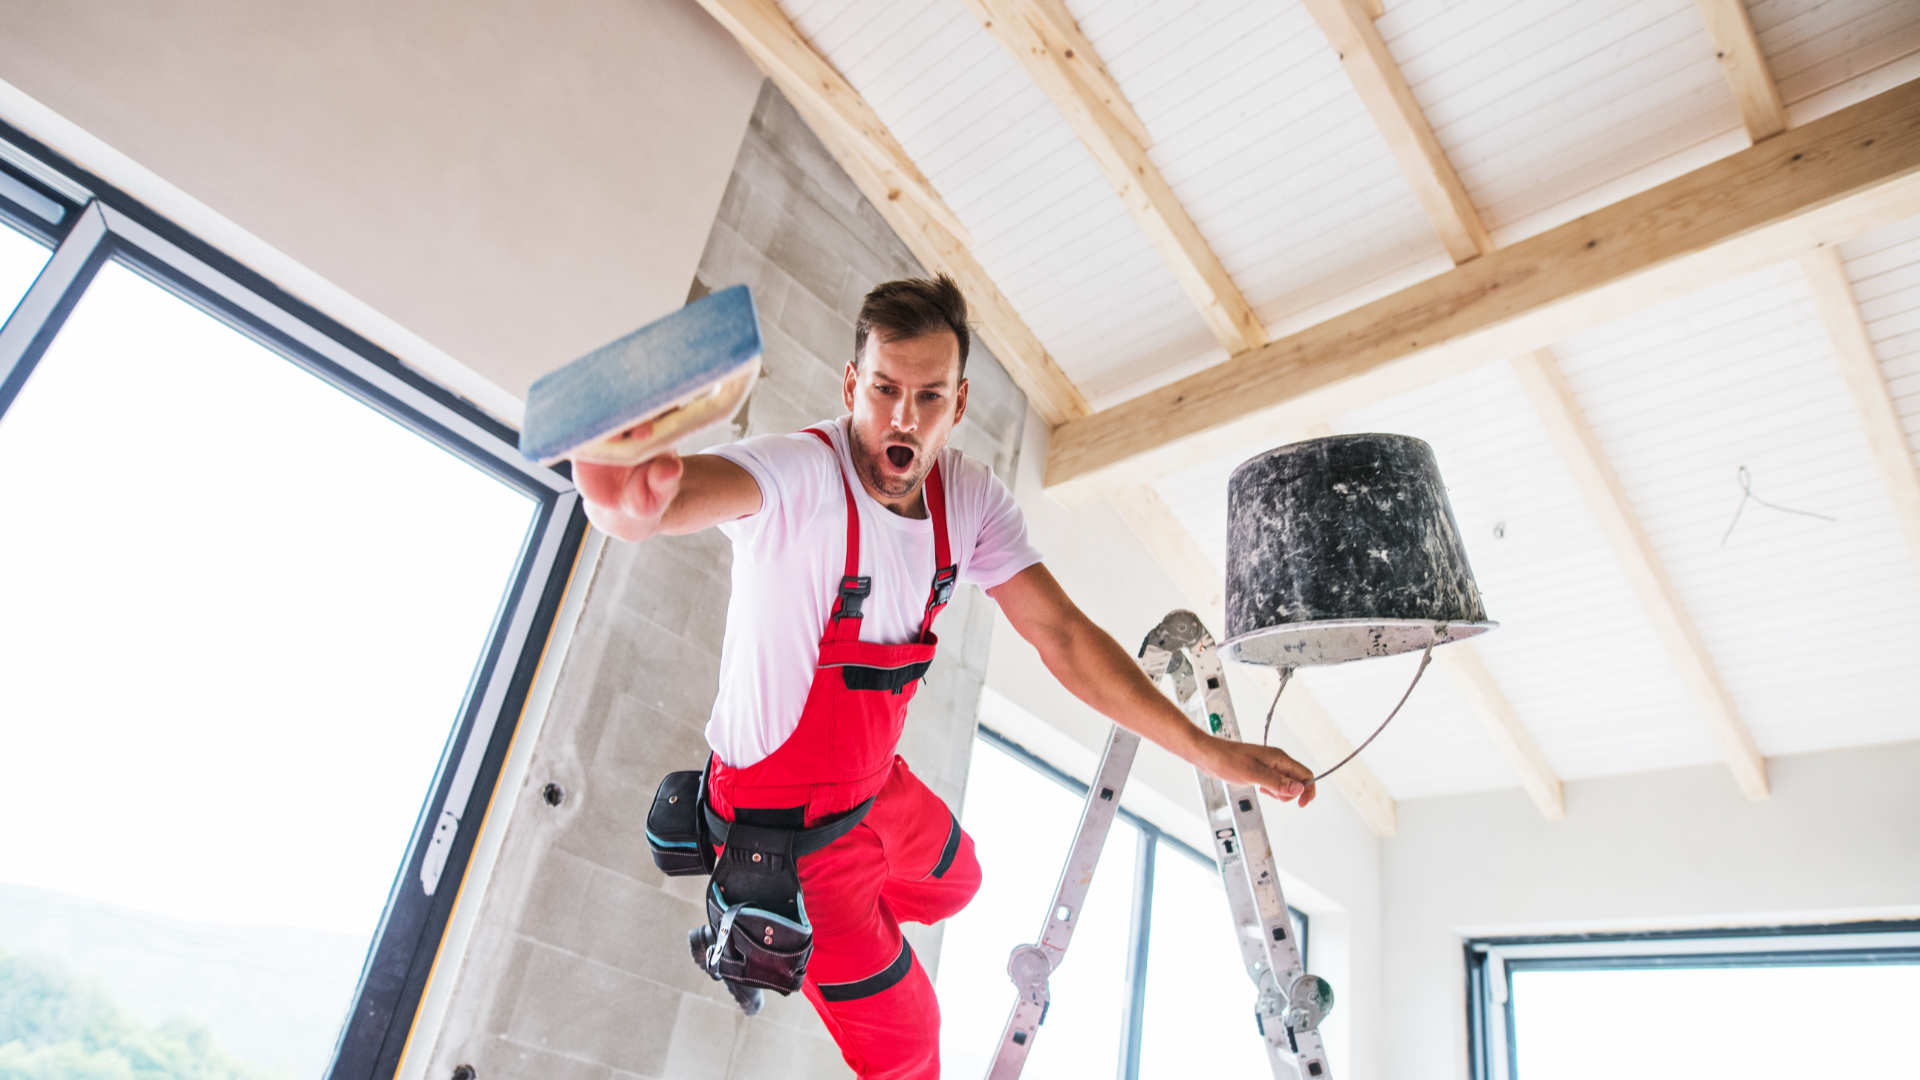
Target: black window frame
[(1492, 1042), (1140, 929), (98, 222)]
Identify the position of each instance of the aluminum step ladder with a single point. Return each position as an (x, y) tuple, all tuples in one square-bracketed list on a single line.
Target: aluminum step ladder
[(1289, 1003)]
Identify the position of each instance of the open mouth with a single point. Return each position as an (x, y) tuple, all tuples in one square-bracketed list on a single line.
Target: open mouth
[(900, 456)]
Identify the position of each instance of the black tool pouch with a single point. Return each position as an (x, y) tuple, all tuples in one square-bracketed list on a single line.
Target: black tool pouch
[(757, 932), (676, 829)]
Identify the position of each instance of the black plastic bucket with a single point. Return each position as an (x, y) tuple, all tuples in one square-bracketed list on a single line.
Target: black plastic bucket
[(1344, 548)]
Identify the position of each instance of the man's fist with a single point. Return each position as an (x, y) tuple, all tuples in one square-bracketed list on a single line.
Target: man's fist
[(628, 501), (1267, 767)]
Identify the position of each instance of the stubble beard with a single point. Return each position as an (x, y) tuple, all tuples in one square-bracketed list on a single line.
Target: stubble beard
[(867, 460)]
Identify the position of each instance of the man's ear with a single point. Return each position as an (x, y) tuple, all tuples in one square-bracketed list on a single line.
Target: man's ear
[(849, 383), (960, 401)]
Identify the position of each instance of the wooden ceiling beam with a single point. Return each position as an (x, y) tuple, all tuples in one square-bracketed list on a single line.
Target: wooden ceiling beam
[(1044, 38), (1174, 548), (1483, 696), (1077, 54), (1823, 182), (877, 164), (1867, 385), (1607, 500), (1744, 64), (1348, 26)]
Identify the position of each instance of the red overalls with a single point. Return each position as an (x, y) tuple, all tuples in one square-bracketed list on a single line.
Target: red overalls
[(907, 859)]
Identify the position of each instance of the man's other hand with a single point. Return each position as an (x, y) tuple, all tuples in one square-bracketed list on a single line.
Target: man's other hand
[(629, 501), (1266, 767)]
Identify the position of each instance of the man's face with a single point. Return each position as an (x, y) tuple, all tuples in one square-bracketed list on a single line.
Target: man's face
[(905, 396)]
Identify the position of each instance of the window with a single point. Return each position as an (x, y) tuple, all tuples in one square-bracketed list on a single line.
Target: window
[(1152, 986), (1833, 1000), (270, 605), (21, 258)]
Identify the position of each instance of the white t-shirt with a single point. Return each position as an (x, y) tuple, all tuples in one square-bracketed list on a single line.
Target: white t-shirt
[(787, 562)]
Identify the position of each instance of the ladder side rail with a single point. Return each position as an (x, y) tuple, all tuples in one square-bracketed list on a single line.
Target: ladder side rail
[(1029, 965), (1245, 912), (1276, 926), (1261, 878)]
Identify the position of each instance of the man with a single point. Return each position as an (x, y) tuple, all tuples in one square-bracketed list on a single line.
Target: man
[(836, 532)]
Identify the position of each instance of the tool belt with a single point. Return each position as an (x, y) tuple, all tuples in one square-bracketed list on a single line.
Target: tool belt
[(757, 933)]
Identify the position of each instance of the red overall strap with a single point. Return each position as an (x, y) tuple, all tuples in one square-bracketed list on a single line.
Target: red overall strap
[(944, 570), (850, 581)]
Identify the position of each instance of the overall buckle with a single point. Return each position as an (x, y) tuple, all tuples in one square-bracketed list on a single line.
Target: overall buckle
[(852, 591), (943, 582)]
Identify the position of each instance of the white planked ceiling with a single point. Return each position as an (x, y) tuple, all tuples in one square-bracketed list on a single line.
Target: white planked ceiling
[(1551, 108), (1809, 621), (1547, 109), (1826, 54), (1272, 154), (1046, 225), (1885, 268)]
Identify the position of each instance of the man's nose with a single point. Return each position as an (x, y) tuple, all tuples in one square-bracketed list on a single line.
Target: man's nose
[(905, 416)]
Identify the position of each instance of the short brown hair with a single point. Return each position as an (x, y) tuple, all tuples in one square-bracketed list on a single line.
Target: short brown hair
[(910, 308)]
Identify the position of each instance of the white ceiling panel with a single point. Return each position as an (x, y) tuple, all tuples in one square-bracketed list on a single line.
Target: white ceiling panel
[(1808, 620), (1264, 140), (1047, 227), (1548, 108), (1828, 54), (1885, 268)]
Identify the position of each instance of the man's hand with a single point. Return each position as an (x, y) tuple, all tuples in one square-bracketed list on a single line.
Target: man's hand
[(1269, 768), (665, 494), (630, 501)]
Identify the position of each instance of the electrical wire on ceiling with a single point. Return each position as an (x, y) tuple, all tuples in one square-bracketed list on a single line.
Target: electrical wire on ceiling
[(1746, 493)]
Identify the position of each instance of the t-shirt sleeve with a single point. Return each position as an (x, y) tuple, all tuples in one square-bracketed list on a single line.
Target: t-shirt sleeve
[(1002, 548), (787, 468)]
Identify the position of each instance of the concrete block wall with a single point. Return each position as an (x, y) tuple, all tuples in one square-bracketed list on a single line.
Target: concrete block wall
[(578, 967)]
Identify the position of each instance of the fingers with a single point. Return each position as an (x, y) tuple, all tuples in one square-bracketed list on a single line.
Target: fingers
[(600, 484), (628, 501), (663, 474), (1283, 778), (648, 488)]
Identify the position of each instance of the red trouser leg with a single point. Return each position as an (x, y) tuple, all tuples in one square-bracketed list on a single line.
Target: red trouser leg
[(907, 861)]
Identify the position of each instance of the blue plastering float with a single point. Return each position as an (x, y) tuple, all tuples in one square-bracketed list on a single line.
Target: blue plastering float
[(678, 376)]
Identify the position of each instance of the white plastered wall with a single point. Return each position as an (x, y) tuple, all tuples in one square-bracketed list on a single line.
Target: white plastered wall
[(1838, 841), (487, 189), (1328, 859)]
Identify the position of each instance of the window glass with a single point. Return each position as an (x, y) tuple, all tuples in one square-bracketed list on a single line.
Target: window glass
[(239, 612), (1670, 1023), (1022, 823), (21, 257), (1199, 1004)]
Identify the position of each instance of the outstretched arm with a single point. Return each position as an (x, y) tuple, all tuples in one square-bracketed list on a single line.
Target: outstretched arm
[(1095, 669), (667, 494)]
